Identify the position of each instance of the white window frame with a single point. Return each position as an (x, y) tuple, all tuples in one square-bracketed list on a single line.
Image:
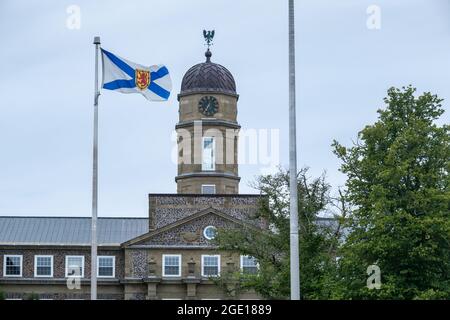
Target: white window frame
[(4, 264), (35, 266), (164, 265), (82, 266), (209, 185), (213, 160), (203, 265), (204, 232), (113, 265), (242, 262)]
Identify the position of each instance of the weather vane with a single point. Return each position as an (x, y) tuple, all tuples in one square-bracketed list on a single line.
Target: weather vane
[(208, 35)]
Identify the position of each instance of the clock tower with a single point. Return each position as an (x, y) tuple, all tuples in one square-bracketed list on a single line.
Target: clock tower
[(207, 131)]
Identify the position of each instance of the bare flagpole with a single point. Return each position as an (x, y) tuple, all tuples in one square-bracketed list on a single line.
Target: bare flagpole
[(95, 181), (295, 268)]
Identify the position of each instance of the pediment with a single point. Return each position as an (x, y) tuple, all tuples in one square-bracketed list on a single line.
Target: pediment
[(189, 230)]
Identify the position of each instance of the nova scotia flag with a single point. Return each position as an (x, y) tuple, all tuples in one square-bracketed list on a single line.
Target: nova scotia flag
[(124, 76)]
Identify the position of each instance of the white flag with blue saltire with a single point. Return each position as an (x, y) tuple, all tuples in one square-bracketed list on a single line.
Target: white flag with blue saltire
[(125, 76)]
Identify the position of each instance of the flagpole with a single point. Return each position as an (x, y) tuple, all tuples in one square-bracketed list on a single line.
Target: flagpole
[(294, 244), (95, 181)]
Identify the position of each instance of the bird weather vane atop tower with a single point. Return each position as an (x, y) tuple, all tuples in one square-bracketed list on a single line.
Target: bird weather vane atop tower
[(208, 35)]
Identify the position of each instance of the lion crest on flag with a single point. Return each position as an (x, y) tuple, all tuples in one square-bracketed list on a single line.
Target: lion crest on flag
[(142, 79)]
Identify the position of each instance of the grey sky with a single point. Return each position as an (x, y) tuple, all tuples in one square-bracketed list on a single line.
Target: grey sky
[(343, 72)]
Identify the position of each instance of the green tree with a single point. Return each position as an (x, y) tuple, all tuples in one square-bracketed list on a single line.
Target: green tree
[(398, 186), (271, 247)]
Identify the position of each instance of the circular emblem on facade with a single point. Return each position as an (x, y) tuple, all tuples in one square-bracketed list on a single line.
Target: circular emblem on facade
[(209, 232)]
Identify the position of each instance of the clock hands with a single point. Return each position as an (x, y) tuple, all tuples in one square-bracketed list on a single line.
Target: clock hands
[(208, 106)]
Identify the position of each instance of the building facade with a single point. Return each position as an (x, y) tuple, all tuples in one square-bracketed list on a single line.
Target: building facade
[(170, 254)]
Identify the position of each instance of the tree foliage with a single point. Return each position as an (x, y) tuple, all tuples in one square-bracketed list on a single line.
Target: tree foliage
[(271, 247), (398, 184), (395, 207)]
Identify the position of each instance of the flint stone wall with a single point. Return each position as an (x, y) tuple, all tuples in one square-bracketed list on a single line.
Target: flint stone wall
[(167, 209)]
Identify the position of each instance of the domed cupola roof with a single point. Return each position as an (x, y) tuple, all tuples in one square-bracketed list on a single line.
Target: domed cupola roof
[(208, 77)]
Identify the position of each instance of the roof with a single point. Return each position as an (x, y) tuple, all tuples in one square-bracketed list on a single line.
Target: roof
[(73, 231), (208, 77)]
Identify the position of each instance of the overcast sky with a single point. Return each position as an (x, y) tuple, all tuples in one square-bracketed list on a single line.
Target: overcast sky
[(47, 84)]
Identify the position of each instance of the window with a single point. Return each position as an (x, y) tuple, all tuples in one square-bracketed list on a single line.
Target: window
[(208, 188), (12, 266), (210, 265), (171, 265), (106, 266), (209, 232), (75, 266), (43, 266), (208, 159), (249, 265)]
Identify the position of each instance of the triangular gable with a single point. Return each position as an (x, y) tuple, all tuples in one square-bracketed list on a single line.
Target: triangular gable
[(147, 236)]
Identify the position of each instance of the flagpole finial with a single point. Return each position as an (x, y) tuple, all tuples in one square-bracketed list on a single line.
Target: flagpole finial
[(96, 40)]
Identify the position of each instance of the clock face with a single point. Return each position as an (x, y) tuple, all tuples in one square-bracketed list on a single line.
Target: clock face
[(208, 105)]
